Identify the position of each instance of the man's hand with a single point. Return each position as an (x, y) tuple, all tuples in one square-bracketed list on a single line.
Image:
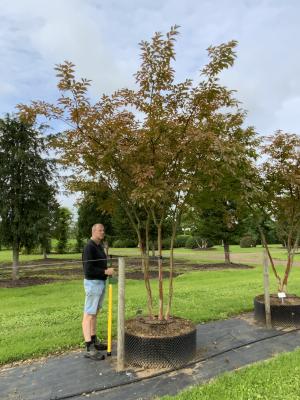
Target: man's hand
[(109, 271)]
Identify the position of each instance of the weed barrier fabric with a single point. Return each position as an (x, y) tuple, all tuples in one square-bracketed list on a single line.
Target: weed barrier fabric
[(221, 346)]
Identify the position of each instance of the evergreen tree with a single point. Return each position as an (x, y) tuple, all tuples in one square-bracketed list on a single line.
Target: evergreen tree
[(25, 186), (62, 227), (95, 207)]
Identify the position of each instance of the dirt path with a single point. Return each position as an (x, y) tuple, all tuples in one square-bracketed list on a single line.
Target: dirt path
[(245, 258)]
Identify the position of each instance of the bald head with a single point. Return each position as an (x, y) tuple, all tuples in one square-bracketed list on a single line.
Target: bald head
[(98, 232)]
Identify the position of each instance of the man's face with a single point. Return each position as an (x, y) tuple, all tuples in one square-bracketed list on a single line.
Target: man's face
[(99, 232)]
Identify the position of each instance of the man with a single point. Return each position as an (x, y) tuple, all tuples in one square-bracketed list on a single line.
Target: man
[(95, 275)]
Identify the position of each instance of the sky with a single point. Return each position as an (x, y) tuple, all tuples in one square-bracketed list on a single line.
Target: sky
[(101, 38)]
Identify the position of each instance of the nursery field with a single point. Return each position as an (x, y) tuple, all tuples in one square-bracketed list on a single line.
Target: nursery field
[(43, 319), (215, 254)]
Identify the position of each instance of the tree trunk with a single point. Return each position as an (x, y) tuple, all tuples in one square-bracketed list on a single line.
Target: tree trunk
[(153, 249), (265, 244), (145, 267), (160, 274), (291, 252), (45, 253), (226, 252), (15, 266), (147, 235), (170, 298), (145, 259)]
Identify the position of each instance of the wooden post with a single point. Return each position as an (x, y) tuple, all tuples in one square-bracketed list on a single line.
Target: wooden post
[(121, 315), (267, 290), (109, 319)]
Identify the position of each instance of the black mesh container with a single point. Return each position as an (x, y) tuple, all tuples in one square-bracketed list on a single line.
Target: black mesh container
[(163, 352), (282, 315)]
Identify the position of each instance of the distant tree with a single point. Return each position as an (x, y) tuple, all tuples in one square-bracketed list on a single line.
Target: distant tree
[(61, 230), (122, 229), (219, 223), (218, 200), (44, 228), (25, 186), (250, 228), (95, 207), (47, 226)]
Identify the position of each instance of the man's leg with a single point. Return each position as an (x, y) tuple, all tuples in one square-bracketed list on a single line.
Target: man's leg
[(90, 309), (97, 344), (93, 302), (91, 350), (88, 326), (94, 325)]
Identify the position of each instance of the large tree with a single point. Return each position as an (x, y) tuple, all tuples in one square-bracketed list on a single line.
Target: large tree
[(25, 185), (148, 144)]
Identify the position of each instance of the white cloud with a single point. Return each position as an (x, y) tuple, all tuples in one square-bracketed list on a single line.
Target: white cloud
[(7, 89)]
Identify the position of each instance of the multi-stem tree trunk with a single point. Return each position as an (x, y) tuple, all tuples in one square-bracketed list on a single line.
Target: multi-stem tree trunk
[(170, 297), (160, 273), (136, 224), (145, 267), (265, 244), (226, 252), (15, 266), (291, 248), (145, 264)]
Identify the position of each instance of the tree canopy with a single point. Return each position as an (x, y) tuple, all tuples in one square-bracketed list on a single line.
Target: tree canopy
[(152, 145)]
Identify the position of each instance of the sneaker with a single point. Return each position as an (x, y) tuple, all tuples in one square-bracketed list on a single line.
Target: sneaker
[(94, 355), (99, 346)]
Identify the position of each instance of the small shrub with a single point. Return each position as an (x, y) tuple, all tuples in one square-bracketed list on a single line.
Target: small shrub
[(166, 243), (62, 246), (196, 242), (79, 245), (180, 240), (247, 241), (33, 250), (192, 243)]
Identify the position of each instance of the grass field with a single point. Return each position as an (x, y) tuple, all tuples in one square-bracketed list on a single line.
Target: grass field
[(215, 254), (40, 320)]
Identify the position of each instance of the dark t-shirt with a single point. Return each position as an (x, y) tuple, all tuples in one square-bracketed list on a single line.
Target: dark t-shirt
[(94, 269)]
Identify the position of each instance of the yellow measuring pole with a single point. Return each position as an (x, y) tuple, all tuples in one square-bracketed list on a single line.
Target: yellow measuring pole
[(109, 319)]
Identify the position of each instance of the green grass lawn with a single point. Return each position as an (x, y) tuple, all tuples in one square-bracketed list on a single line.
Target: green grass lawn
[(276, 379), (193, 255), (38, 320)]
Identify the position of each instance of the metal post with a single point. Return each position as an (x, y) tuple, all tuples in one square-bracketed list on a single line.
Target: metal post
[(121, 315), (267, 290)]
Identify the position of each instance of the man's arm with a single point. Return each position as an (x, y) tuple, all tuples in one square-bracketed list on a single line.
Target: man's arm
[(88, 256)]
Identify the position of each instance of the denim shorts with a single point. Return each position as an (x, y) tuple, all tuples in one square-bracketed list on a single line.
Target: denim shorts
[(94, 295)]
